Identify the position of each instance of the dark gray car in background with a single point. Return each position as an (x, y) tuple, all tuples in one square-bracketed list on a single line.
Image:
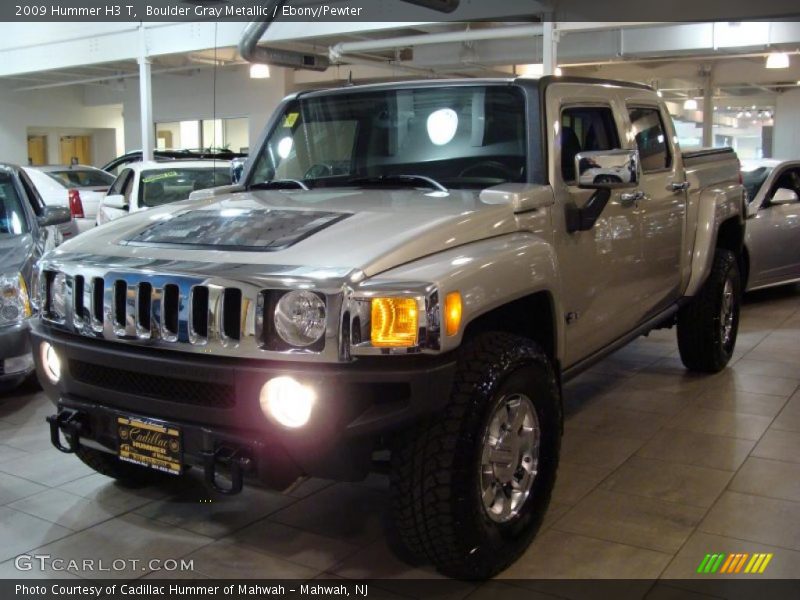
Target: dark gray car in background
[(26, 231)]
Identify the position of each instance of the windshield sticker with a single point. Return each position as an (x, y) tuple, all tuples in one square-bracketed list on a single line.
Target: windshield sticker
[(166, 175), (290, 119)]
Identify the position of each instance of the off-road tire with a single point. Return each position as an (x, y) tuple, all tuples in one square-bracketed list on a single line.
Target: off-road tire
[(109, 465), (700, 336), (436, 505)]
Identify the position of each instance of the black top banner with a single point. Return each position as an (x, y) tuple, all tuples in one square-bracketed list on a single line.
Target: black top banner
[(395, 10)]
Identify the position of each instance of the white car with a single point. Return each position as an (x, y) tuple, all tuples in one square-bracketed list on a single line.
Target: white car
[(149, 184), (80, 187)]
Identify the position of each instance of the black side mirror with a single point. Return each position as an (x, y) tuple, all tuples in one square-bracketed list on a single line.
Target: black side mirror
[(54, 215)]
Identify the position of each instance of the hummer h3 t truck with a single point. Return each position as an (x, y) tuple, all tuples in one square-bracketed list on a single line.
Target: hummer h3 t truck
[(408, 271)]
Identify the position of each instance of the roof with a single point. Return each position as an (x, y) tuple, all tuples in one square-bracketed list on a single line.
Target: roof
[(51, 168), (153, 165)]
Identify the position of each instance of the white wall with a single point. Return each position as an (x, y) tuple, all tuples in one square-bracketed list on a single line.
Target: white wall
[(54, 109), (786, 142)]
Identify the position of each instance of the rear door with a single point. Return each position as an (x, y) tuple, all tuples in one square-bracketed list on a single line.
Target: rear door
[(663, 206)]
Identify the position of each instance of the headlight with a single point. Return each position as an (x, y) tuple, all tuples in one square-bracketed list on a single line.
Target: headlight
[(394, 322), (58, 295), (300, 318), (15, 304)]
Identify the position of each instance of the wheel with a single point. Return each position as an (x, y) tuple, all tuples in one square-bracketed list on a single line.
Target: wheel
[(470, 485), (708, 325), (109, 465)]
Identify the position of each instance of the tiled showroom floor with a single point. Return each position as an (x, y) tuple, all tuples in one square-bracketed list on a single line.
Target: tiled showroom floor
[(659, 467)]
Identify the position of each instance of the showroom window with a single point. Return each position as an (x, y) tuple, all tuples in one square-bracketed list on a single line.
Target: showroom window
[(231, 134)]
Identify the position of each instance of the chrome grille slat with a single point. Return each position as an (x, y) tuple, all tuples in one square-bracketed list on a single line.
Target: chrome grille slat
[(97, 303), (170, 312), (199, 322), (143, 311)]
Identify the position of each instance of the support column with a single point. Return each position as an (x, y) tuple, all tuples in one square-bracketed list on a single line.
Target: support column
[(708, 108), (549, 46), (146, 99)]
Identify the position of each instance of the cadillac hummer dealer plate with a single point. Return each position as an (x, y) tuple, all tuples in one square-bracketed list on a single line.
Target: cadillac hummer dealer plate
[(149, 443)]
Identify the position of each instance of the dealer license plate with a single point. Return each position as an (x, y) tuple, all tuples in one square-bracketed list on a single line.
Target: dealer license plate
[(150, 443)]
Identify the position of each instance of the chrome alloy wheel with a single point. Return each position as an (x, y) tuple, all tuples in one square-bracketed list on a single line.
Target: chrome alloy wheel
[(509, 457), (726, 312)]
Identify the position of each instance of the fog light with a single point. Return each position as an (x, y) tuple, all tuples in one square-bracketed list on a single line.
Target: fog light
[(288, 401), (51, 364)]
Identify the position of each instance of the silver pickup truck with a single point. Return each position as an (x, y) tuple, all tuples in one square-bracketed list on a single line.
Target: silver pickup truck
[(402, 280)]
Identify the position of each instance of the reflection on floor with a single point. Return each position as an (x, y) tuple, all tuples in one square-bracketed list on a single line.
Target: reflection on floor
[(659, 467)]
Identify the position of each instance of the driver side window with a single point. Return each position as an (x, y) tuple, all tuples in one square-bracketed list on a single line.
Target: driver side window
[(585, 128), (789, 180)]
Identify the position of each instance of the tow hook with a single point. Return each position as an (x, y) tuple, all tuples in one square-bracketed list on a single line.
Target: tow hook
[(233, 460), (71, 423)]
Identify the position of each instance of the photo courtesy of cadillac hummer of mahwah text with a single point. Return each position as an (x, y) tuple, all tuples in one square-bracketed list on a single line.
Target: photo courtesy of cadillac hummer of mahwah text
[(401, 281)]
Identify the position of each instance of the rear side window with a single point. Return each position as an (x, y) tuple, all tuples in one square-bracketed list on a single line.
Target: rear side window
[(82, 178), (651, 139), (584, 129)]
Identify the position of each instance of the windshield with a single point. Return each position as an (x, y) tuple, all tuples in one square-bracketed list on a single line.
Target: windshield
[(753, 180), (459, 136), (12, 216), (162, 186), (82, 178)]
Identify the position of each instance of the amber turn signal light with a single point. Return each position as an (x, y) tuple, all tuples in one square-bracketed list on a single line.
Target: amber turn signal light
[(394, 322), (452, 313)]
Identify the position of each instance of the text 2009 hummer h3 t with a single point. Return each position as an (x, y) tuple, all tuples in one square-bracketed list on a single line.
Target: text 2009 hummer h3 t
[(412, 268)]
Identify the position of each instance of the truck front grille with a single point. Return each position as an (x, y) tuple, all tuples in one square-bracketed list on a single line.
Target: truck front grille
[(168, 389), (178, 310)]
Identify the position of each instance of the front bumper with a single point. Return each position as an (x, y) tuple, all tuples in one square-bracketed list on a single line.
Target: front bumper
[(15, 352), (215, 402)]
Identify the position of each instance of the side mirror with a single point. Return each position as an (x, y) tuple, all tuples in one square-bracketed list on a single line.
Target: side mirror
[(116, 201), (237, 169), (784, 196), (54, 215), (607, 169)]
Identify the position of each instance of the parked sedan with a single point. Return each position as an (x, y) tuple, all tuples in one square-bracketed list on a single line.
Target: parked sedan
[(27, 230), (79, 187), (772, 238), (149, 184)]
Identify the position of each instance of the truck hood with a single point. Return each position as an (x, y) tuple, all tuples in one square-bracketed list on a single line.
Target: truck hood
[(335, 231)]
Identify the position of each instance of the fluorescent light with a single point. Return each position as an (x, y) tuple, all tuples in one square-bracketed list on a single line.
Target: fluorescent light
[(537, 70), (778, 60), (690, 104), (259, 71)]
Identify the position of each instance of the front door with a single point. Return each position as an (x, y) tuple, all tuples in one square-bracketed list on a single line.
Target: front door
[(600, 267), (774, 234)]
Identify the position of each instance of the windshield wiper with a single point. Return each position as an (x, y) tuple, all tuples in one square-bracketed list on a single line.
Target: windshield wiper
[(395, 180), (279, 184)]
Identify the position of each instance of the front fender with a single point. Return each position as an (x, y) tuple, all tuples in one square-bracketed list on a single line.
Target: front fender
[(488, 274)]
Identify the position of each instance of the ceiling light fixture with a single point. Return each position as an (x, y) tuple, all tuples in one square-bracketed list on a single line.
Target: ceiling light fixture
[(778, 60), (259, 71), (690, 104)]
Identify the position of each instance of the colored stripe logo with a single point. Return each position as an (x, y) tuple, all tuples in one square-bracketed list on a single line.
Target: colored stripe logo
[(735, 563)]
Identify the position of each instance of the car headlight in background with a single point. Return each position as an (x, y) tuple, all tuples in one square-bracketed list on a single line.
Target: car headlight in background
[(15, 304), (58, 295), (300, 318), (394, 322)]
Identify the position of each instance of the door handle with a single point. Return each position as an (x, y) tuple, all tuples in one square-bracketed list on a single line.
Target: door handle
[(681, 186), (632, 196)]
